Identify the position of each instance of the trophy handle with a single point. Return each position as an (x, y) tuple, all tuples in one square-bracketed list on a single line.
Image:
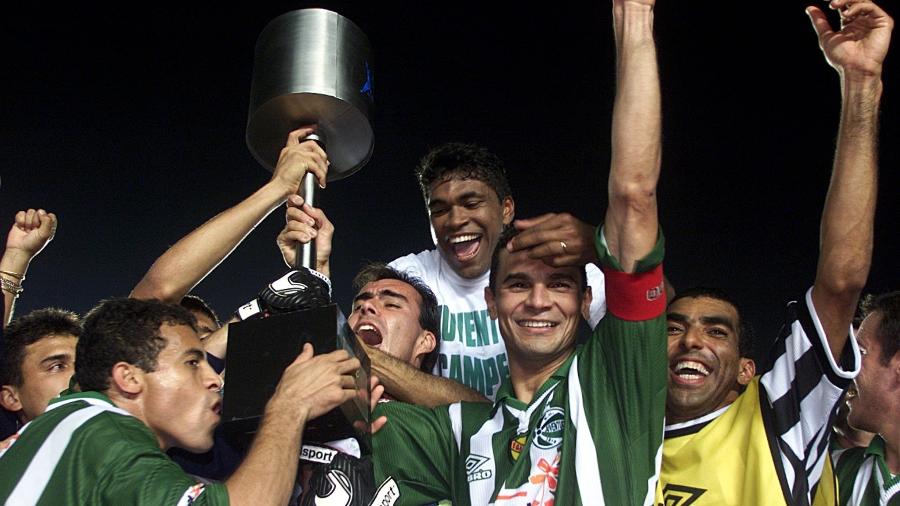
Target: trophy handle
[(309, 190)]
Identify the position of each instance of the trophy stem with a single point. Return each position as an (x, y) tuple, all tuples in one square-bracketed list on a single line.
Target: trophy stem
[(309, 190)]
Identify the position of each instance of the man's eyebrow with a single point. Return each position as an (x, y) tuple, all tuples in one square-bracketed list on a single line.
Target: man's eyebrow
[(194, 352), (706, 320), (562, 276), (462, 196), (678, 317), (393, 294), (363, 296), (516, 276), (717, 320), (58, 356), (381, 294)]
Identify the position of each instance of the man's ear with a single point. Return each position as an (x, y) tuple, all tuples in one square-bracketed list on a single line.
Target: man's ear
[(127, 378), (9, 398), (747, 371), (491, 304), (586, 304), (508, 208), (425, 343)]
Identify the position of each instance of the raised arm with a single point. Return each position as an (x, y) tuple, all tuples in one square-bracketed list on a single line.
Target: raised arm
[(857, 52), (631, 223), (30, 233), (193, 257)]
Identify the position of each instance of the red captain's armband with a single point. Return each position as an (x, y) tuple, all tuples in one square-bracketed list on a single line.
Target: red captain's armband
[(635, 296)]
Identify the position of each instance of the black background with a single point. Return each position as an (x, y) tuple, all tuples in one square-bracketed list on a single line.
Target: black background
[(129, 124)]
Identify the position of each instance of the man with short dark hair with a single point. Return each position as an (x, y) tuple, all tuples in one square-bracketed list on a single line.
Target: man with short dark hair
[(397, 314), (469, 204), (871, 475), (735, 437), (145, 387), (571, 425), (37, 360)]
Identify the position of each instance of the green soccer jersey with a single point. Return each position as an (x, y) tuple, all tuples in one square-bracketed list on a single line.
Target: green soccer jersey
[(84, 450), (864, 478), (591, 435)]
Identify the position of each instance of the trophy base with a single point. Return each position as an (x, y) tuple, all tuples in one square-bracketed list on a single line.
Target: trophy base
[(260, 350)]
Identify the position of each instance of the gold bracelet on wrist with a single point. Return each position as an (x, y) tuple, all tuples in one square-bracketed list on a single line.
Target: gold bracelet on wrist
[(11, 287), (20, 277)]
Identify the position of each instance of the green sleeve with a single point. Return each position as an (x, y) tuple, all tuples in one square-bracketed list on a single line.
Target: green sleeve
[(623, 373), (651, 260), (416, 448)]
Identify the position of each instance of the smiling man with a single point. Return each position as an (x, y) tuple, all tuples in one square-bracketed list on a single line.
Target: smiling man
[(145, 387), (738, 438), (571, 425), (470, 204)]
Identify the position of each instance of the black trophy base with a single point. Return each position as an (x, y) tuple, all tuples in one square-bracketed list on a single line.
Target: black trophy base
[(259, 351)]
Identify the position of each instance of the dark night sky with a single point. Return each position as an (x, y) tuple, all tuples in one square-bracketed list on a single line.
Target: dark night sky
[(130, 126)]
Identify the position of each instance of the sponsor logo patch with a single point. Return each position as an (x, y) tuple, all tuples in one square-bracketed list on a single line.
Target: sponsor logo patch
[(549, 431), (387, 494), (473, 468), (320, 454)]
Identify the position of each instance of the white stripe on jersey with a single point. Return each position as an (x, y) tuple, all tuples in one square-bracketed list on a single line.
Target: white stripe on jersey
[(480, 491), (93, 402), (824, 340), (456, 424), (587, 470), (886, 494), (35, 478), (862, 481), (778, 381), (813, 410)]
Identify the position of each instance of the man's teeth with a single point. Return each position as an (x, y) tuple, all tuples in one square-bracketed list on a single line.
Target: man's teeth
[(537, 324), (366, 326), (463, 238), (691, 369)]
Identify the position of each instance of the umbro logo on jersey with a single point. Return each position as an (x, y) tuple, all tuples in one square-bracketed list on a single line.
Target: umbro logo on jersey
[(473, 468), (549, 431), (680, 495)]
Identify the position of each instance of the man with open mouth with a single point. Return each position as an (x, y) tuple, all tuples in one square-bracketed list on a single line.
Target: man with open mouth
[(469, 204), (571, 424), (145, 386), (735, 437), (870, 474)]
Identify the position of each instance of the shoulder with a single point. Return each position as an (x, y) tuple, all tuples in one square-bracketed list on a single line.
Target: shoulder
[(417, 263)]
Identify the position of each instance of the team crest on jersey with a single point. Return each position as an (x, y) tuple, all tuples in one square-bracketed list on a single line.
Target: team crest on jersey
[(516, 446), (549, 431), (654, 293), (680, 495), (474, 471)]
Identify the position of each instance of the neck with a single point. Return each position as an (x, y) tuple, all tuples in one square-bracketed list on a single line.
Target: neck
[(130, 404), (527, 376), (892, 447)]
